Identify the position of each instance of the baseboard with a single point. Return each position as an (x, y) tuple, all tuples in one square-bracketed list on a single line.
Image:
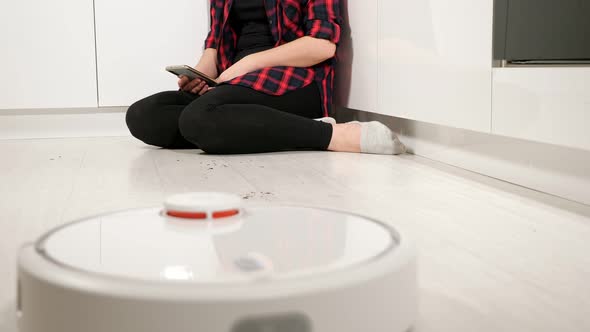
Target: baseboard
[(552, 169), (61, 123)]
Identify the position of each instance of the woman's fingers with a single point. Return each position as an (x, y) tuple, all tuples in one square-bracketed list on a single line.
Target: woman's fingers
[(198, 88), (183, 80), (204, 90), (192, 84)]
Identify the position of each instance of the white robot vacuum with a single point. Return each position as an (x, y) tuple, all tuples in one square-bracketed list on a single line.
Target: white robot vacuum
[(206, 263)]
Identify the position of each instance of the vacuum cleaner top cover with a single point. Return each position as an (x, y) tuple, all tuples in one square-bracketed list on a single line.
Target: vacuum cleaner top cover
[(212, 238)]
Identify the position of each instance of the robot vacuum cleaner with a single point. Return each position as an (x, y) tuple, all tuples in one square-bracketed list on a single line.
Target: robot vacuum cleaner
[(206, 262)]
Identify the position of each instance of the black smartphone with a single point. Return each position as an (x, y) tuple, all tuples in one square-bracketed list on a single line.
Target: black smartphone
[(191, 73)]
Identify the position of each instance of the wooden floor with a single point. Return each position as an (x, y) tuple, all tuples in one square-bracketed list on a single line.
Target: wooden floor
[(493, 256)]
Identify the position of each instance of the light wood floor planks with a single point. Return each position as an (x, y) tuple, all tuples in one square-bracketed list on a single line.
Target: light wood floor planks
[(493, 256)]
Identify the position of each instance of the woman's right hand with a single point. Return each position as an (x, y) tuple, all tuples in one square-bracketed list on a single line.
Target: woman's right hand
[(208, 66), (196, 86)]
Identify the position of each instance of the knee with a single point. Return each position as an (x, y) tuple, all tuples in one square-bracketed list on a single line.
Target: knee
[(204, 126), (140, 121), (136, 117)]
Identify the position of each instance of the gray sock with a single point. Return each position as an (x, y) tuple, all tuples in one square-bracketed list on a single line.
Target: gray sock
[(377, 138)]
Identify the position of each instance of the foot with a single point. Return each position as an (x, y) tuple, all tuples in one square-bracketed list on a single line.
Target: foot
[(346, 137), (365, 137)]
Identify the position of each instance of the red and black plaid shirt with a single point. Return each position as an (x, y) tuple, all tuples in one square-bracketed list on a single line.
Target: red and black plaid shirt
[(289, 20)]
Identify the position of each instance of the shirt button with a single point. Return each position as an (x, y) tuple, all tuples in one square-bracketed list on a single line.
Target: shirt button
[(270, 21)]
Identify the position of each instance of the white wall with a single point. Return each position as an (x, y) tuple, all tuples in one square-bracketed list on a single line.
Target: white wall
[(137, 39), (357, 70)]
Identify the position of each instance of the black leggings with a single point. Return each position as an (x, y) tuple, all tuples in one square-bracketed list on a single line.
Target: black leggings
[(231, 119)]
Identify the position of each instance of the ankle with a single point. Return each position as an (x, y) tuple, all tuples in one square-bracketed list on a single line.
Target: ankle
[(346, 137)]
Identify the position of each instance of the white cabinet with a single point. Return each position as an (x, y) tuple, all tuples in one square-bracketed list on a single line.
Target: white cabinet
[(137, 39), (47, 57), (435, 61), (356, 73), (549, 105)]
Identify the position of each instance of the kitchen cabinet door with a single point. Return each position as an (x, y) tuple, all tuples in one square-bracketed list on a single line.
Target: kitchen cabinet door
[(543, 104), (435, 61), (47, 57)]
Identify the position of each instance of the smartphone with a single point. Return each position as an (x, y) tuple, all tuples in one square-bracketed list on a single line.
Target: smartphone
[(191, 73)]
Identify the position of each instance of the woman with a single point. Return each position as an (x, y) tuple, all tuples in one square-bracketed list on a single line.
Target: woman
[(274, 60)]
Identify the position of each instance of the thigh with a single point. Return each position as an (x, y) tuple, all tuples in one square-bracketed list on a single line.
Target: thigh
[(161, 108), (166, 98), (304, 102), (154, 119)]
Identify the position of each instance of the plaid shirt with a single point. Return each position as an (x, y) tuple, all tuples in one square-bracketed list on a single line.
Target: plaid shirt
[(289, 20)]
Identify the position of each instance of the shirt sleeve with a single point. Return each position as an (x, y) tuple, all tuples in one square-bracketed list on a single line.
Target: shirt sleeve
[(323, 19), (216, 13)]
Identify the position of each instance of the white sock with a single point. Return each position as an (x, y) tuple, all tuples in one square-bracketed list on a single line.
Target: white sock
[(327, 120), (377, 138)]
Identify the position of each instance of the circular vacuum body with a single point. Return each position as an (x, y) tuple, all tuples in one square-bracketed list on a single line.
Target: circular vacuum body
[(206, 263)]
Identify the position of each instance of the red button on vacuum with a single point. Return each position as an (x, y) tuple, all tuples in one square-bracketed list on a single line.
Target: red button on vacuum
[(225, 214), (203, 205), (187, 215)]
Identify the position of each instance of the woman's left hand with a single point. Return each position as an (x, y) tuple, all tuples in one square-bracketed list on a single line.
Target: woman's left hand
[(240, 68)]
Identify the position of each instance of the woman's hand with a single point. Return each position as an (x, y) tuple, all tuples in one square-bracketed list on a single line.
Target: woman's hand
[(208, 66), (196, 86), (240, 68)]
